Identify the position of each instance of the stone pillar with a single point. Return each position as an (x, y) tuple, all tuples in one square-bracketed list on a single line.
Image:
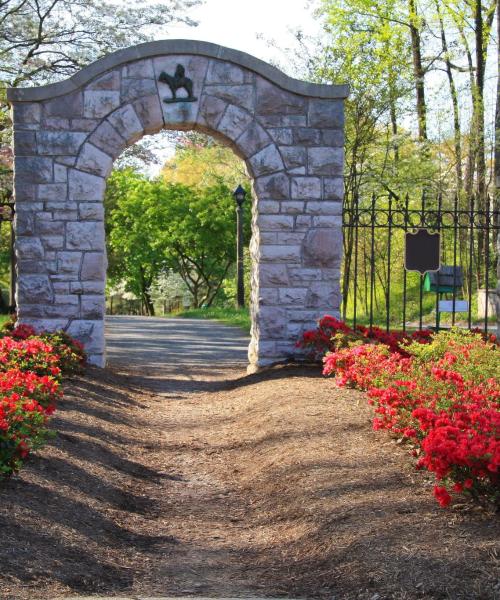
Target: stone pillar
[(289, 132)]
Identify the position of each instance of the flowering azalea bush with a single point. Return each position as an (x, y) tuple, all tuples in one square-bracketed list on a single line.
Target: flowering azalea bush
[(332, 334), (30, 372), (443, 397)]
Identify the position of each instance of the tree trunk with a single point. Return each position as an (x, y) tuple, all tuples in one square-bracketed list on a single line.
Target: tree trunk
[(454, 101), (497, 122), (418, 70), (480, 155)]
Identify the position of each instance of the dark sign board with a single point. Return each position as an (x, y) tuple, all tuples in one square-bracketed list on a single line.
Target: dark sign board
[(422, 251)]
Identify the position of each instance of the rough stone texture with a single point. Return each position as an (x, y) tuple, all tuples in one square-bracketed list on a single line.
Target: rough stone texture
[(290, 133)]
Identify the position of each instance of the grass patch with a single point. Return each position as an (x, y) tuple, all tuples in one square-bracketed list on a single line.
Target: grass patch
[(4, 319), (238, 317)]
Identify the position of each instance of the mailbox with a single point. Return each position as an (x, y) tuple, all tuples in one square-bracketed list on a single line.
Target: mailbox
[(444, 281)]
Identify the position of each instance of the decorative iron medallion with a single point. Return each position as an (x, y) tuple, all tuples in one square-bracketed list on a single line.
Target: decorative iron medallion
[(422, 251), (178, 81)]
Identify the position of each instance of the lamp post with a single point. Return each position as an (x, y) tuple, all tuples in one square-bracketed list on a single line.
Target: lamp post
[(239, 197)]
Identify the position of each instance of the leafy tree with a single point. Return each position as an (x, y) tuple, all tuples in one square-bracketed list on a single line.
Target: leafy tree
[(153, 226), (202, 161), (45, 39)]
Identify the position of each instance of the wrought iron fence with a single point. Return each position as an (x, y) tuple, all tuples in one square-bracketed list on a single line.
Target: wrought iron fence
[(377, 290)]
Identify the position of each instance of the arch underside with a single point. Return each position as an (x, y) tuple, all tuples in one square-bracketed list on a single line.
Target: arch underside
[(64, 149)]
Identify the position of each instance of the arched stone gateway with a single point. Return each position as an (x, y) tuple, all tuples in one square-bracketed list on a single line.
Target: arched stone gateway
[(289, 132)]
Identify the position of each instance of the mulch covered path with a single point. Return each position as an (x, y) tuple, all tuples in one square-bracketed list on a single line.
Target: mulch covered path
[(215, 483)]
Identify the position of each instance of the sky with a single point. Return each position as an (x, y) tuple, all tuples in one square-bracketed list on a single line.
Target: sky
[(248, 25)]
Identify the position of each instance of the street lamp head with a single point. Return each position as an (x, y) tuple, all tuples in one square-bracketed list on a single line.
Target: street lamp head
[(239, 195)]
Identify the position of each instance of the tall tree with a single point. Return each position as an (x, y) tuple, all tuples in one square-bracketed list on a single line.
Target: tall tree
[(45, 39)]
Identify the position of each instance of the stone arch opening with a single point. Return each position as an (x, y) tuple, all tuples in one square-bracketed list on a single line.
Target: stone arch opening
[(289, 132)]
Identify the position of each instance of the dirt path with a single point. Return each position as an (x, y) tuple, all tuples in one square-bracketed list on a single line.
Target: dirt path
[(212, 482)]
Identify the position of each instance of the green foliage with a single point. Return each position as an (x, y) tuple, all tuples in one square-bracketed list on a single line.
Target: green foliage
[(154, 226), (477, 360)]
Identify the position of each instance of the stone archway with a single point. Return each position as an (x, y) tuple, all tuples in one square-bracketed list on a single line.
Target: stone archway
[(289, 132)]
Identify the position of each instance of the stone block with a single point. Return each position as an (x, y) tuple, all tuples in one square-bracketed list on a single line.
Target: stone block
[(94, 266), (292, 207), (238, 95), (69, 106), (60, 173), (140, 69), (25, 194), (85, 186), (99, 103), (136, 88), (326, 113), (91, 211), (52, 242), (127, 123), (226, 73), (86, 235), (267, 237), (273, 275), (90, 333), (55, 123), (234, 122), (84, 124), (29, 247), (323, 207), (93, 287), (26, 113), (303, 276), (34, 288), (268, 296), (271, 322), (24, 223), (52, 192), (59, 142), (253, 139), (292, 296), (293, 156), (67, 161), (69, 262), (108, 139), (273, 100), (306, 188), (327, 221), (322, 247), (150, 113), (266, 161), (306, 136), (44, 227), (332, 137), (323, 295), (280, 253), (95, 161), (211, 111), (290, 237), (333, 188), (274, 222), (325, 161), (93, 307), (281, 135), (108, 81), (32, 169), (24, 143), (269, 207), (272, 187)]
